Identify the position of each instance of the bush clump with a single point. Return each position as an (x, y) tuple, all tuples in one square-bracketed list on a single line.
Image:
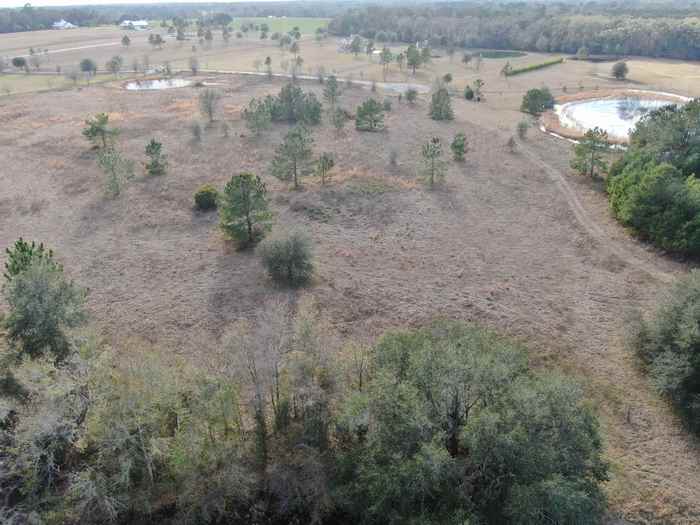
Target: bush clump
[(537, 100), (288, 260), (652, 189), (669, 347), (293, 105), (206, 198)]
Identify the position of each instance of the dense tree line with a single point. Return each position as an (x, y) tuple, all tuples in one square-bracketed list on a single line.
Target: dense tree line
[(287, 423), (653, 188), (31, 18), (561, 28), (668, 345)]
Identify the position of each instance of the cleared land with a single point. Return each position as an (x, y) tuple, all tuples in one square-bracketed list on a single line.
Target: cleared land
[(512, 240)]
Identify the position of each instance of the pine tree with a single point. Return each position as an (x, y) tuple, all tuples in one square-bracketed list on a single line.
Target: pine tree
[(157, 163), (331, 92), (434, 166), (588, 153), (441, 105), (324, 165), (292, 157), (459, 146), (243, 209), (370, 116)]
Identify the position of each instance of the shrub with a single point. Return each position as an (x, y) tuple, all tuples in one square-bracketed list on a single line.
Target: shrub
[(459, 146), (88, 66), (20, 63), (537, 100), (522, 128), (43, 305), (441, 105), (196, 130), (206, 197), (620, 70), (393, 158), (468, 93), (669, 347), (411, 95), (289, 260), (386, 105)]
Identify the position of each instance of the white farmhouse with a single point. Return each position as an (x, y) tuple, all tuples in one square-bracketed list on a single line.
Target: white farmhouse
[(138, 25), (62, 24)]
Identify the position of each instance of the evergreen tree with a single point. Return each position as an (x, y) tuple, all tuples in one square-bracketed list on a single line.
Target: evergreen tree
[(292, 156), (325, 164), (459, 146), (157, 163), (23, 254), (370, 116), (98, 131), (386, 58), (441, 105), (257, 116), (243, 209), (588, 153), (331, 92), (413, 58), (432, 158)]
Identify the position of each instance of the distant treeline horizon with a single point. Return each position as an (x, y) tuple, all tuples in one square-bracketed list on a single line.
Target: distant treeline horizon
[(634, 27)]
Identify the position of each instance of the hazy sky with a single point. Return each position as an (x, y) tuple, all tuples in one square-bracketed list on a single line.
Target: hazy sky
[(41, 3)]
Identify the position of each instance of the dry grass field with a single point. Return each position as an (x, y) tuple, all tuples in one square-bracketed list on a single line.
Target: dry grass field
[(513, 240)]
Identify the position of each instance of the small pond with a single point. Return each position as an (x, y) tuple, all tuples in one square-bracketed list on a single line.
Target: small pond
[(161, 83), (617, 116)]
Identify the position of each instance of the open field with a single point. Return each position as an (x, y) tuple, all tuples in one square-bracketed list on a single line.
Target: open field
[(67, 48), (286, 24), (515, 241)]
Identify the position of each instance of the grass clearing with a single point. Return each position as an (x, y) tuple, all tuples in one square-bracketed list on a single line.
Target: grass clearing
[(497, 244)]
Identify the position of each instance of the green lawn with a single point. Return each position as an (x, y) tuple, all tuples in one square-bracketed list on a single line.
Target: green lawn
[(21, 83)]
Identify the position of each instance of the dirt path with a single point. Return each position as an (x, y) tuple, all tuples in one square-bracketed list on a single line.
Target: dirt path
[(79, 48), (591, 226), (660, 458)]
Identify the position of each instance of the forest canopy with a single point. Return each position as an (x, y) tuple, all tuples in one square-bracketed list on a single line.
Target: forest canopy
[(286, 423), (631, 29)]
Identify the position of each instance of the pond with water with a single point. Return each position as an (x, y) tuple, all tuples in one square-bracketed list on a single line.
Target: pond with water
[(617, 116), (160, 83)]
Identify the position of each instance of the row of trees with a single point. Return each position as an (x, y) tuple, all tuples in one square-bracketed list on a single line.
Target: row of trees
[(534, 27), (289, 424)]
